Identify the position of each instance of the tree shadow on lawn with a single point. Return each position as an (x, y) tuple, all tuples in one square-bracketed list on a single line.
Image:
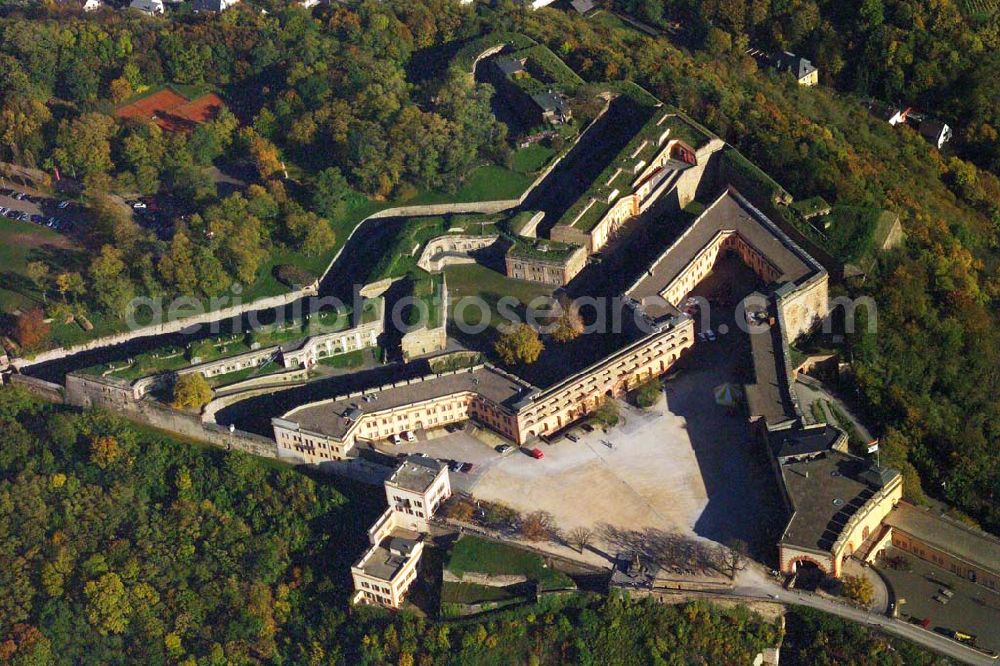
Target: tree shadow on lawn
[(17, 283), (59, 259)]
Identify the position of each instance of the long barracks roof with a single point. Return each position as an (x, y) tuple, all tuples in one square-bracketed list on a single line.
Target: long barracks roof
[(334, 417), (730, 212), (967, 543), (770, 396)]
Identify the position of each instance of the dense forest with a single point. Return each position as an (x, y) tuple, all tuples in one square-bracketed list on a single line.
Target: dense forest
[(321, 114), (941, 57), (121, 545)]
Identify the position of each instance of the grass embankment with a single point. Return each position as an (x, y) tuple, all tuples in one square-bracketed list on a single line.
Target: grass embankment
[(472, 554), (351, 359), (475, 280)]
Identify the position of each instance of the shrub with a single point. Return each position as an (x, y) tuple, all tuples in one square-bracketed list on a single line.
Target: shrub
[(648, 393), (293, 276)]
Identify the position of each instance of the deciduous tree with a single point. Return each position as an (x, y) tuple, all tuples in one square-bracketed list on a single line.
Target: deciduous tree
[(731, 558), (30, 328), (108, 607), (569, 324), (38, 273), (859, 589), (191, 391), (520, 344), (580, 537), (537, 526)]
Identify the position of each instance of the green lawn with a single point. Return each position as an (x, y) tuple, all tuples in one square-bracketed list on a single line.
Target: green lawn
[(478, 281), (351, 359), (485, 183), (530, 160), (21, 242), (489, 557), (470, 593)]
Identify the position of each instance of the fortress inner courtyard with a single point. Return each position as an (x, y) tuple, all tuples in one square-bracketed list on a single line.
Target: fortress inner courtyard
[(686, 465)]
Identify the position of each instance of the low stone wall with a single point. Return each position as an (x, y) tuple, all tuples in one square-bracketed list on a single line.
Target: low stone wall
[(280, 379), (229, 364), (376, 289), (484, 207), (489, 580), (451, 249), (531, 228), (423, 341), (168, 327)]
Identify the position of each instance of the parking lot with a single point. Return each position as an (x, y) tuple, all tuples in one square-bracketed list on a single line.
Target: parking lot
[(972, 608), (25, 207)]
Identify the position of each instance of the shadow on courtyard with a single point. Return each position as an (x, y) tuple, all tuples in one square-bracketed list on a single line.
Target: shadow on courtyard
[(743, 501)]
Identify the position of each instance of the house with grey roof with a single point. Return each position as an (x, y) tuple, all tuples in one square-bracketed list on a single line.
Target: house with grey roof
[(151, 7), (804, 71), (936, 131)]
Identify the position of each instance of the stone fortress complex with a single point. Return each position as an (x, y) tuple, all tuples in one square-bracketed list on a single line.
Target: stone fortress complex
[(838, 504)]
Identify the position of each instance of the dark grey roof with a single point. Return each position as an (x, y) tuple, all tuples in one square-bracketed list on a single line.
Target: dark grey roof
[(933, 129), (729, 212), (416, 473), (550, 101), (770, 395), (797, 65), (582, 6), (806, 441), (207, 5), (332, 417), (510, 66), (825, 492)]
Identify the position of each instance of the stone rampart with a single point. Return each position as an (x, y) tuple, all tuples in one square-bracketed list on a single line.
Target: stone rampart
[(173, 326), (451, 249), (39, 387)]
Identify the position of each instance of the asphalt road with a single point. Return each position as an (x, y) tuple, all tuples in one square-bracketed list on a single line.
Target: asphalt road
[(755, 584)]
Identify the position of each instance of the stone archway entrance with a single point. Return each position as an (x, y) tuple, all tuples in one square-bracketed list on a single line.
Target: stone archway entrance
[(809, 574)]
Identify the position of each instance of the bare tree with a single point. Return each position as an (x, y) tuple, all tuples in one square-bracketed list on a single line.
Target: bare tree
[(731, 558), (537, 526), (580, 537)]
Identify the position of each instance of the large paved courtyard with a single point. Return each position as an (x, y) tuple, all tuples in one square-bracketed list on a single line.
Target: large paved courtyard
[(684, 466)]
